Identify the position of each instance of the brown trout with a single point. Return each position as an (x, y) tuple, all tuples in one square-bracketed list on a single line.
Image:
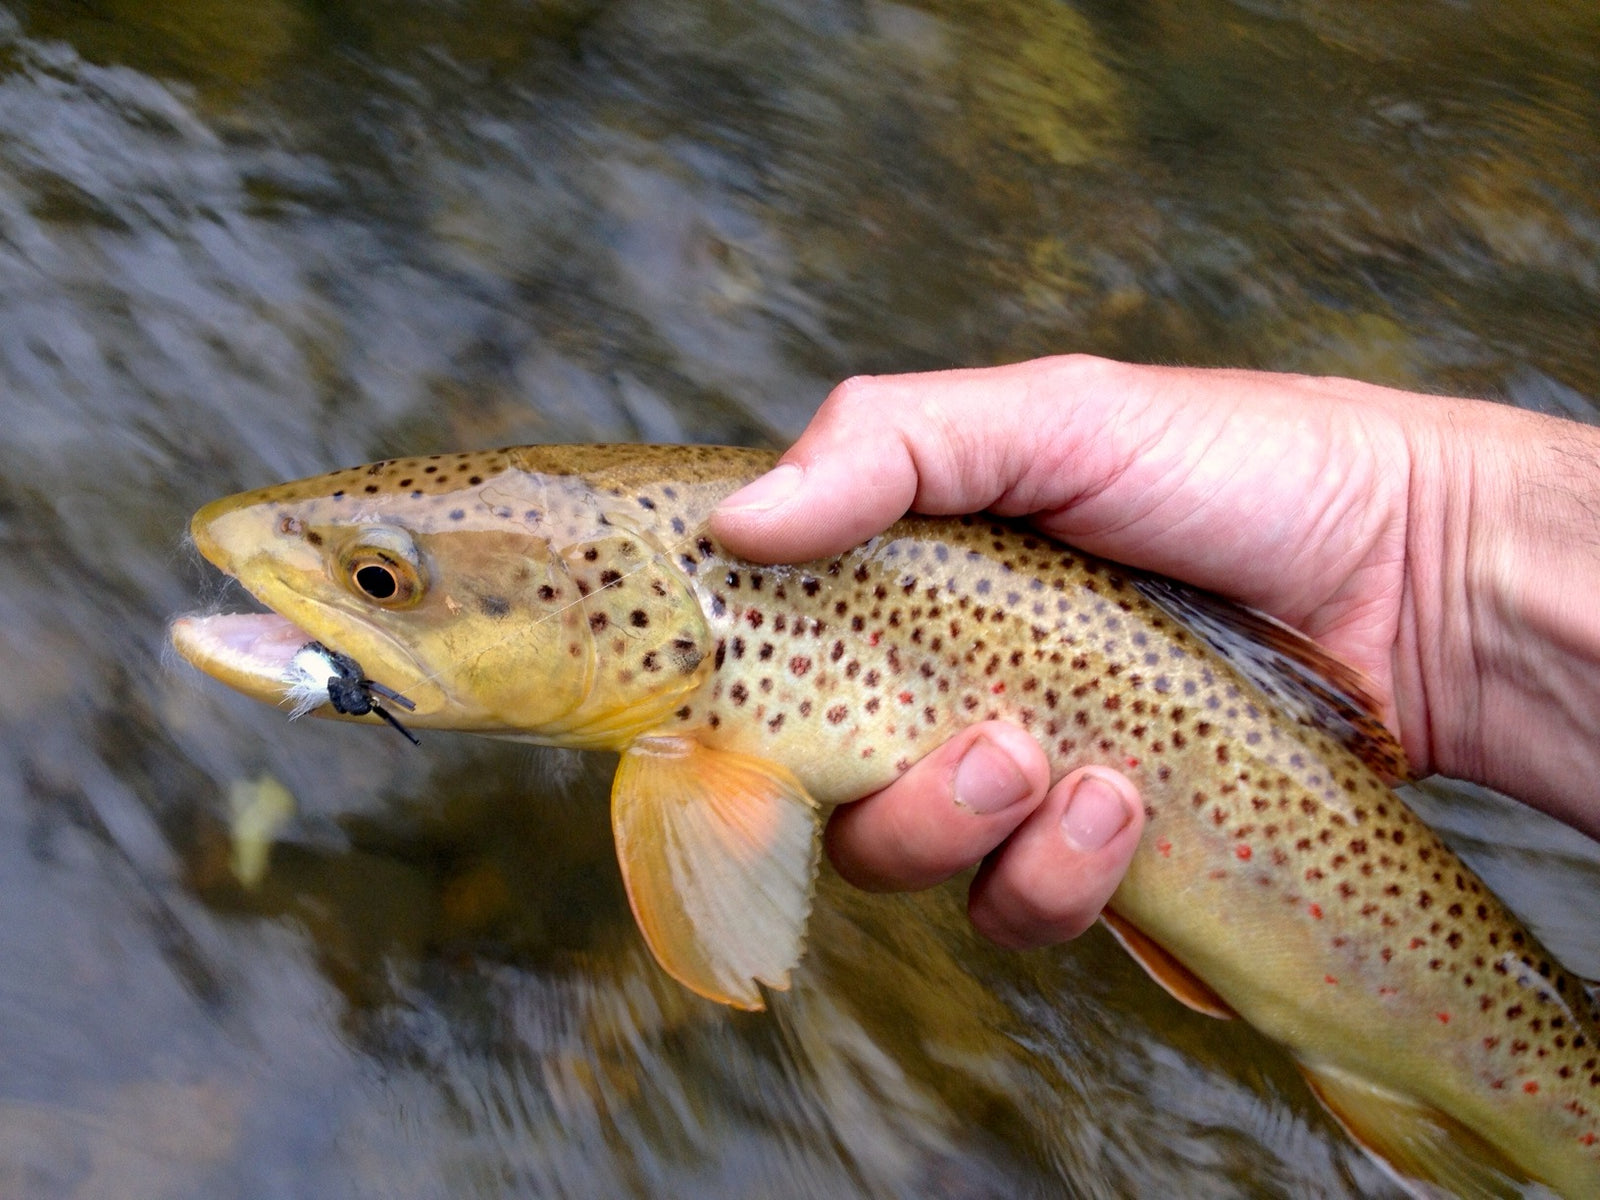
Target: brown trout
[(571, 595)]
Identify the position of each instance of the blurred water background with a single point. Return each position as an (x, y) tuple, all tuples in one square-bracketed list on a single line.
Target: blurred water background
[(241, 242)]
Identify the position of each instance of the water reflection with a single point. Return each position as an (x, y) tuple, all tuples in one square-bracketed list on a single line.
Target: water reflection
[(243, 245)]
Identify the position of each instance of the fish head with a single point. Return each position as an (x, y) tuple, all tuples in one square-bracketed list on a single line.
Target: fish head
[(493, 599)]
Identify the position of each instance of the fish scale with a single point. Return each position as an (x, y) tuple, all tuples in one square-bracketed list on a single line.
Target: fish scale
[(1278, 874)]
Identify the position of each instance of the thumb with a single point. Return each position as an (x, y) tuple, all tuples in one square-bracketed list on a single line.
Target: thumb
[(942, 442), (837, 486)]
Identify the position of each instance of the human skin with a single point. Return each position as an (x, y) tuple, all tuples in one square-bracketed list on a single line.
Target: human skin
[(1447, 548)]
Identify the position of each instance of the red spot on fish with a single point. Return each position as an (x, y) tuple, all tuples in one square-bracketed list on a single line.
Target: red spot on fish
[(1587, 1139), (1387, 991), (1417, 943), (1242, 852), (1531, 1087), (1444, 1017), (872, 638), (1164, 848), (997, 687), (906, 697), (1132, 762), (1329, 979), (1315, 910)]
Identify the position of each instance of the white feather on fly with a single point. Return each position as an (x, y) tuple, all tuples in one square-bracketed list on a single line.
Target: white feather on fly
[(308, 675)]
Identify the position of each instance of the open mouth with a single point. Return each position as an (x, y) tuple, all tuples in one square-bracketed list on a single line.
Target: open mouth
[(248, 651), (270, 658)]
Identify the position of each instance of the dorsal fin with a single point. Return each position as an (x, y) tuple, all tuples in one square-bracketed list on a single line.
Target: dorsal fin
[(1306, 681)]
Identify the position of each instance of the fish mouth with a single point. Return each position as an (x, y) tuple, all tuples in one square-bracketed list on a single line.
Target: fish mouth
[(248, 651)]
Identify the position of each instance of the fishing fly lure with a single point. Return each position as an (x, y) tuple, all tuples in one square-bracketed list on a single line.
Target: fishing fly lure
[(317, 675)]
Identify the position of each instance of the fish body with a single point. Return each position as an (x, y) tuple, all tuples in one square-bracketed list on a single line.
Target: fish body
[(573, 596)]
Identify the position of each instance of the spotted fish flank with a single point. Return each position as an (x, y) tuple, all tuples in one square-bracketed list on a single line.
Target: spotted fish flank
[(572, 595)]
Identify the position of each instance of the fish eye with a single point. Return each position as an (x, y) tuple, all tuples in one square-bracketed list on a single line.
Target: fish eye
[(377, 580), (383, 568)]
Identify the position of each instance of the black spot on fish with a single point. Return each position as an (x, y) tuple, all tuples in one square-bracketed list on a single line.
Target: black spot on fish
[(456, 514), (686, 654), (494, 606), (638, 618)]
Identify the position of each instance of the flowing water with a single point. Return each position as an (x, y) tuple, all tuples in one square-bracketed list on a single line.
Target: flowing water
[(241, 242)]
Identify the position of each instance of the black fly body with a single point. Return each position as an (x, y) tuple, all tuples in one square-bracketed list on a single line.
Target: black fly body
[(348, 690)]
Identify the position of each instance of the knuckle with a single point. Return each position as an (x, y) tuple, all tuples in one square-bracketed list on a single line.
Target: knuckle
[(852, 395)]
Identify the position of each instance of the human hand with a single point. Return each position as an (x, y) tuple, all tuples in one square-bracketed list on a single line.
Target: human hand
[(1051, 856), (1208, 476), (1201, 475)]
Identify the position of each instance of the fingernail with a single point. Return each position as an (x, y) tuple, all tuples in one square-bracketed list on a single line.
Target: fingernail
[(1095, 814), (987, 779), (771, 490)]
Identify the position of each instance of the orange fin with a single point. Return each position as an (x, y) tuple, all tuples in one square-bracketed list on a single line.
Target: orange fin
[(1308, 682), (1414, 1140), (719, 855), (1183, 984)]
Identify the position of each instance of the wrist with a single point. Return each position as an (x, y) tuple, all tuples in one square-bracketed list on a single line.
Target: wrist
[(1503, 599)]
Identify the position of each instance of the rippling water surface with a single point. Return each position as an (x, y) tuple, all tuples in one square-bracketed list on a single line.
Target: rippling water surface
[(240, 242)]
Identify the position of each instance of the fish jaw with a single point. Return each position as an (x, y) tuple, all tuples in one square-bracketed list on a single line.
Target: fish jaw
[(259, 539), (250, 652)]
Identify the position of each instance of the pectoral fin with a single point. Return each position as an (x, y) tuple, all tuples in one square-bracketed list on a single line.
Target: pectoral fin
[(1181, 983), (1415, 1140), (719, 855)]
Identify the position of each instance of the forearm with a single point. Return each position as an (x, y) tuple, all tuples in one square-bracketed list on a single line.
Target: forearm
[(1502, 616)]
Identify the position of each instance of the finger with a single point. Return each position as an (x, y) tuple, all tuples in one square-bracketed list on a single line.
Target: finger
[(946, 442), (944, 814), (1050, 880)]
